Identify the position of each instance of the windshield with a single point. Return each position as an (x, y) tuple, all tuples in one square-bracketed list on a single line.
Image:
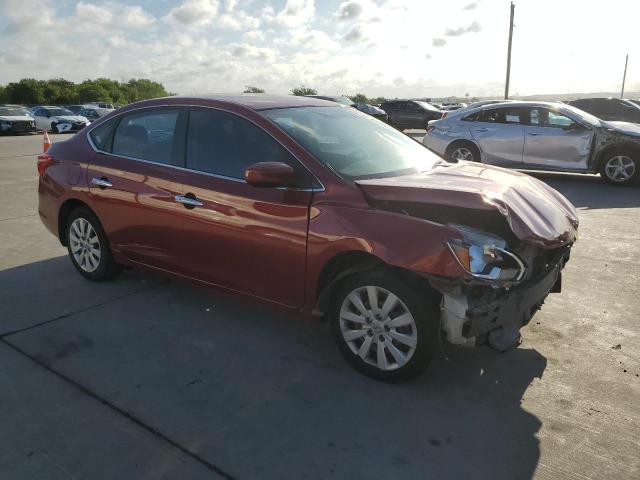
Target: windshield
[(60, 111), (13, 112), (353, 144), (587, 117)]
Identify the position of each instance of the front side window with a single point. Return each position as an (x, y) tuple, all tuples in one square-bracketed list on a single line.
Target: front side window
[(353, 144), (225, 144), (101, 135), (146, 135), (557, 120)]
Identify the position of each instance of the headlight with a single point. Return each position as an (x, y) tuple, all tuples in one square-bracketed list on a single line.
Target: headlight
[(484, 256), (5, 125)]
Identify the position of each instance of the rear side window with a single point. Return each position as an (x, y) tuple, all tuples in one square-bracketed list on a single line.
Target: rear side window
[(146, 135), (101, 135), (225, 144), (503, 115)]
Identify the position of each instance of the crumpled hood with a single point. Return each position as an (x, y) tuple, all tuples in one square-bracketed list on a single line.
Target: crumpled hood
[(70, 118), (536, 213), (15, 118), (626, 127)]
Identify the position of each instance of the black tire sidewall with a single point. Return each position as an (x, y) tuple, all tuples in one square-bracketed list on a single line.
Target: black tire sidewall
[(472, 148), (423, 309), (107, 267), (636, 175)]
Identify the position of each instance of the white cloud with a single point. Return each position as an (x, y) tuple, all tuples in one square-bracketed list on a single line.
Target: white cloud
[(349, 11), (194, 12), (355, 34), (296, 13), (438, 42), (136, 17)]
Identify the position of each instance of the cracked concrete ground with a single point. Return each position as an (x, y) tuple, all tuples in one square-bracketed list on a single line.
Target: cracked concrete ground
[(147, 377)]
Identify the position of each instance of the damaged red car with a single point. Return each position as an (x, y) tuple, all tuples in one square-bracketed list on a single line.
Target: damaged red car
[(315, 207)]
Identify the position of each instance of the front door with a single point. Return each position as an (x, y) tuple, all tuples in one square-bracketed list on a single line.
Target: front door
[(500, 134), (553, 140), (132, 184), (248, 239)]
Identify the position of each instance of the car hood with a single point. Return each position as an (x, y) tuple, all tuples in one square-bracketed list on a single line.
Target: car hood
[(626, 127), (70, 118), (15, 118), (536, 213)]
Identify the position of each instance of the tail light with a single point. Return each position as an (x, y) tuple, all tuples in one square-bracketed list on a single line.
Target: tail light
[(44, 161), (430, 129), (444, 114)]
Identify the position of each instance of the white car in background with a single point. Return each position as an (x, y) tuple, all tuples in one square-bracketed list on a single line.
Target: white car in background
[(58, 119), (16, 119)]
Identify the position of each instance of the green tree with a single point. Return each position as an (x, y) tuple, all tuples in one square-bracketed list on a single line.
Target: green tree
[(3, 94), (377, 100), (302, 90), (142, 89), (359, 98), (59, 91), (250, 89), (27, 91)]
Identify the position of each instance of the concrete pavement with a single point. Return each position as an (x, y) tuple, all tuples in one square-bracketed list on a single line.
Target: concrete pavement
[(146, 377)]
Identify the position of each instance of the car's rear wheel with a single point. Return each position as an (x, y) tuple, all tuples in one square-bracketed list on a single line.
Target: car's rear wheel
[(383, 327), (88, 246), (620, 168), (463, 151)]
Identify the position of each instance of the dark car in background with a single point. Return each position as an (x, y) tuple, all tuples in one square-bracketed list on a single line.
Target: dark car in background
[(342, 217), (615, 109), (405, 114), (372, 110)]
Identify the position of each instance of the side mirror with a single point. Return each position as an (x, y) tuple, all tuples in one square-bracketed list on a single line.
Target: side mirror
[(270, 174)]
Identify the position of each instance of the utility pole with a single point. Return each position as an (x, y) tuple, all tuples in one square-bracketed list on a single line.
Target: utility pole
[(506, 86), (624, 76)]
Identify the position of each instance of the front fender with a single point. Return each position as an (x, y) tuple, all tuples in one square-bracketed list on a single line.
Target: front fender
[(396, 239)]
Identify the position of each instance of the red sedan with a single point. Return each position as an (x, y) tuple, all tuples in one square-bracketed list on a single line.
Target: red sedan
[(316, 207)]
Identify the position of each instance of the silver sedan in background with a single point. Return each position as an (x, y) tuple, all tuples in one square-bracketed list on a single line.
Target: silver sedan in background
[(539, 136)]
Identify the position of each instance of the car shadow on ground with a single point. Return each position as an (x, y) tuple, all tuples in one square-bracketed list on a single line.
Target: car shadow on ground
[(262, 393)]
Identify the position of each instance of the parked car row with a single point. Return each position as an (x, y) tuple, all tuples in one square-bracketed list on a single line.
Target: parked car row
[(539, 136), (58, 119)]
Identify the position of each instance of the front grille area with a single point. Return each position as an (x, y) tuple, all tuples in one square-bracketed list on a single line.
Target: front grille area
[(22, 126)]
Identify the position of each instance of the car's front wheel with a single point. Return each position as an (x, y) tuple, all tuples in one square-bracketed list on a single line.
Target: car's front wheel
[(383, 327), (88, 246), (620, 168)]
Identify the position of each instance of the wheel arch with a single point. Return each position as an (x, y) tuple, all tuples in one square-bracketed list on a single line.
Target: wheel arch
[(350, 262), (616, 147), (462, 142), (66, 208)]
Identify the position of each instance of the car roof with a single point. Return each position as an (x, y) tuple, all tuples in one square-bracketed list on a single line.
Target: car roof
[(259, 101)]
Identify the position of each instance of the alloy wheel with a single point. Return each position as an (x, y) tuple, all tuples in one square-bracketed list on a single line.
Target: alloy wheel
[(85, 245), (620, 168), (462, 153), (378, 327)]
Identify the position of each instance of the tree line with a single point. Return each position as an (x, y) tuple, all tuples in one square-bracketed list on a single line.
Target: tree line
[(59, 91)]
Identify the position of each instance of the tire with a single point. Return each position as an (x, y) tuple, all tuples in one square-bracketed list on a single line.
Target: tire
[(463, 151), (620, 167), (407, 348), (88, 246), (54, 128)]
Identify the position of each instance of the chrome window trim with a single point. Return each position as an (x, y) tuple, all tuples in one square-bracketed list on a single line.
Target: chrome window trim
[(222, 177)]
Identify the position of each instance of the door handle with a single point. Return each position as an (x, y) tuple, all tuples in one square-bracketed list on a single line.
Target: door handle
[(534, 134), (101, 182), (188, 201), (482, 129)]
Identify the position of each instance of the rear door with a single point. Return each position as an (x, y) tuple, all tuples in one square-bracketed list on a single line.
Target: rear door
[(248, 239), (553, 140), (500, 134), (132, 180)]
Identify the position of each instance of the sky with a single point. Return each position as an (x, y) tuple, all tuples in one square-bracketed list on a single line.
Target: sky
[(392, 48)]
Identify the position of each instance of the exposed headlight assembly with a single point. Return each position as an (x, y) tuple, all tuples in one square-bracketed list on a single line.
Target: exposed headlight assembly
[(5, 124), (485, 257)]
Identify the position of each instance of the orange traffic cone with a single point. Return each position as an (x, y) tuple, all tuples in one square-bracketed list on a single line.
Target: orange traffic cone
[(47, 142)]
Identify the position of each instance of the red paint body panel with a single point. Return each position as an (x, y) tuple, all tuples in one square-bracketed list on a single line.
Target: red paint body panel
[(274, 243)]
